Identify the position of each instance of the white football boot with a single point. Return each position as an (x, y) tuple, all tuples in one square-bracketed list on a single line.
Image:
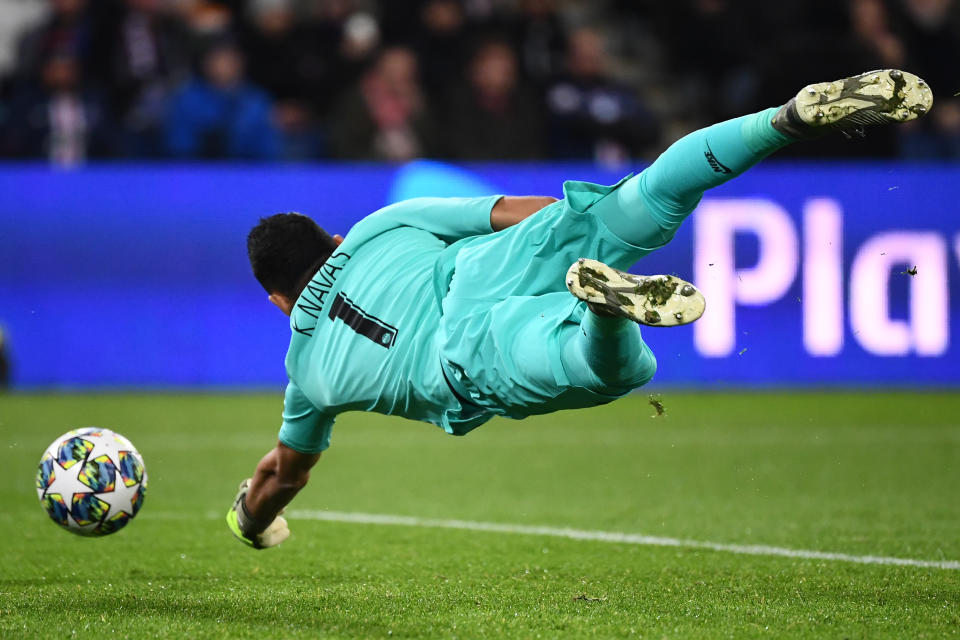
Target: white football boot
[(656, 301), (849, 105)]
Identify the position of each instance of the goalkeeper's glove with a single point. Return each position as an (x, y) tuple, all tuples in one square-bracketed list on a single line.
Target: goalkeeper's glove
[(254, 533)]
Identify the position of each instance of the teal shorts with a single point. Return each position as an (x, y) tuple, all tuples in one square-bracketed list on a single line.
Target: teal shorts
[(507, 313)]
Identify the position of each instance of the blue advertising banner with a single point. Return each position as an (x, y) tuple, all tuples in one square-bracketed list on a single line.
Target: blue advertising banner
[(815, 275)]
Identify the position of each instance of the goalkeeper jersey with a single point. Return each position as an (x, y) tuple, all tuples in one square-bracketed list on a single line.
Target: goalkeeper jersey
[(365, 330)]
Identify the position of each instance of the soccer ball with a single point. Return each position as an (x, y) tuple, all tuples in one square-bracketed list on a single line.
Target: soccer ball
[(91, 481)]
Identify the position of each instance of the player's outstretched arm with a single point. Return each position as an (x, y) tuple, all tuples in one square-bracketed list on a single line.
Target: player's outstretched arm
[(510, 210), (255, 516)]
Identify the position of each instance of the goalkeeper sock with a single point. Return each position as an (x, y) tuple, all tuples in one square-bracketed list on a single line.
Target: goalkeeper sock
[(651, 206), (608, 349)]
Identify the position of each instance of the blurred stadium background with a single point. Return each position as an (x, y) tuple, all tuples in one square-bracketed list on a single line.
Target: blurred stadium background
[(299, 80), (140, 140)]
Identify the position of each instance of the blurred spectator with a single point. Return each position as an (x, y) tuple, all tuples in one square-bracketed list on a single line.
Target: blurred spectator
[(930, 31), (300, 134), (322, 67), (4, 362), (385, 117), (721, 63), (491, 116), (871, 27), (219, 114), (282, 58), (208, 21), (348, 38), (592, 116), (205, 24), (55, 116), (67, 30), (19, 17), (540, 37), (439, 43), (140, 51), (280, 55)]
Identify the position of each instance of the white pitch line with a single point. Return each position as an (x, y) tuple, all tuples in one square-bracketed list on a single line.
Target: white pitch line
[(613, 536)]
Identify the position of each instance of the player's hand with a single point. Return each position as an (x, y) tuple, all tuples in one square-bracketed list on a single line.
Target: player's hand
[(275, 533)]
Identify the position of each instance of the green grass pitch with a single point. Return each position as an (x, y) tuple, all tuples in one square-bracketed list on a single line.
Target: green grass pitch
[(863, 474)]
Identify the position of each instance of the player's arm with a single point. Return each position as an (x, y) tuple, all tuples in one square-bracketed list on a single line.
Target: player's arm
[(452, 219), (255, 516), (280, 475), (510, 210), (278, 478)]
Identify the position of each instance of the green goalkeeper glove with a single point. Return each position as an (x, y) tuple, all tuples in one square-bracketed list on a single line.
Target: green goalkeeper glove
[(251, 532)]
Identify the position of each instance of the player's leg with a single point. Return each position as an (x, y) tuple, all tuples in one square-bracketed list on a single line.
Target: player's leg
[(648, 208), (654, 204), (528, 355), (607, 355), (516, 344)]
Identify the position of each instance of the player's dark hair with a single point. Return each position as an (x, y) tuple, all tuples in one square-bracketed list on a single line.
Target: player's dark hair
[(285, 250)]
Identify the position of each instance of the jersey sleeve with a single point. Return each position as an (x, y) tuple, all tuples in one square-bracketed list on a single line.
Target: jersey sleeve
[(450, 219), (305, 428)]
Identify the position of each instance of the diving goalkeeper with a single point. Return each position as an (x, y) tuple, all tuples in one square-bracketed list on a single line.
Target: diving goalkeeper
[(455, 310)]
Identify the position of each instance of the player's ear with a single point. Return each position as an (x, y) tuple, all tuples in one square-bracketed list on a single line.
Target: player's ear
[(282, 302), (337, 239)]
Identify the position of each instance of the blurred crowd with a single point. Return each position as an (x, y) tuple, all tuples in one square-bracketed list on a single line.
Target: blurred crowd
[(292, 80)]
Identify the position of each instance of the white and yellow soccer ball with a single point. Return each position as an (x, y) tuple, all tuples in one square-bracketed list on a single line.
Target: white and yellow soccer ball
[(91, 481)]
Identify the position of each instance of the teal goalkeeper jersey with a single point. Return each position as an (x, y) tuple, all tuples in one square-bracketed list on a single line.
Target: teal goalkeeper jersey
[(365, 330)]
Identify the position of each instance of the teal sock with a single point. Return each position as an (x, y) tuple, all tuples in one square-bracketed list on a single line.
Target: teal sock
[(608, 349), (651, 206)]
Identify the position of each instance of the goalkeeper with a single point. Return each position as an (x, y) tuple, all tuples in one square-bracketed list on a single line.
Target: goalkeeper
[(455, 310)]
